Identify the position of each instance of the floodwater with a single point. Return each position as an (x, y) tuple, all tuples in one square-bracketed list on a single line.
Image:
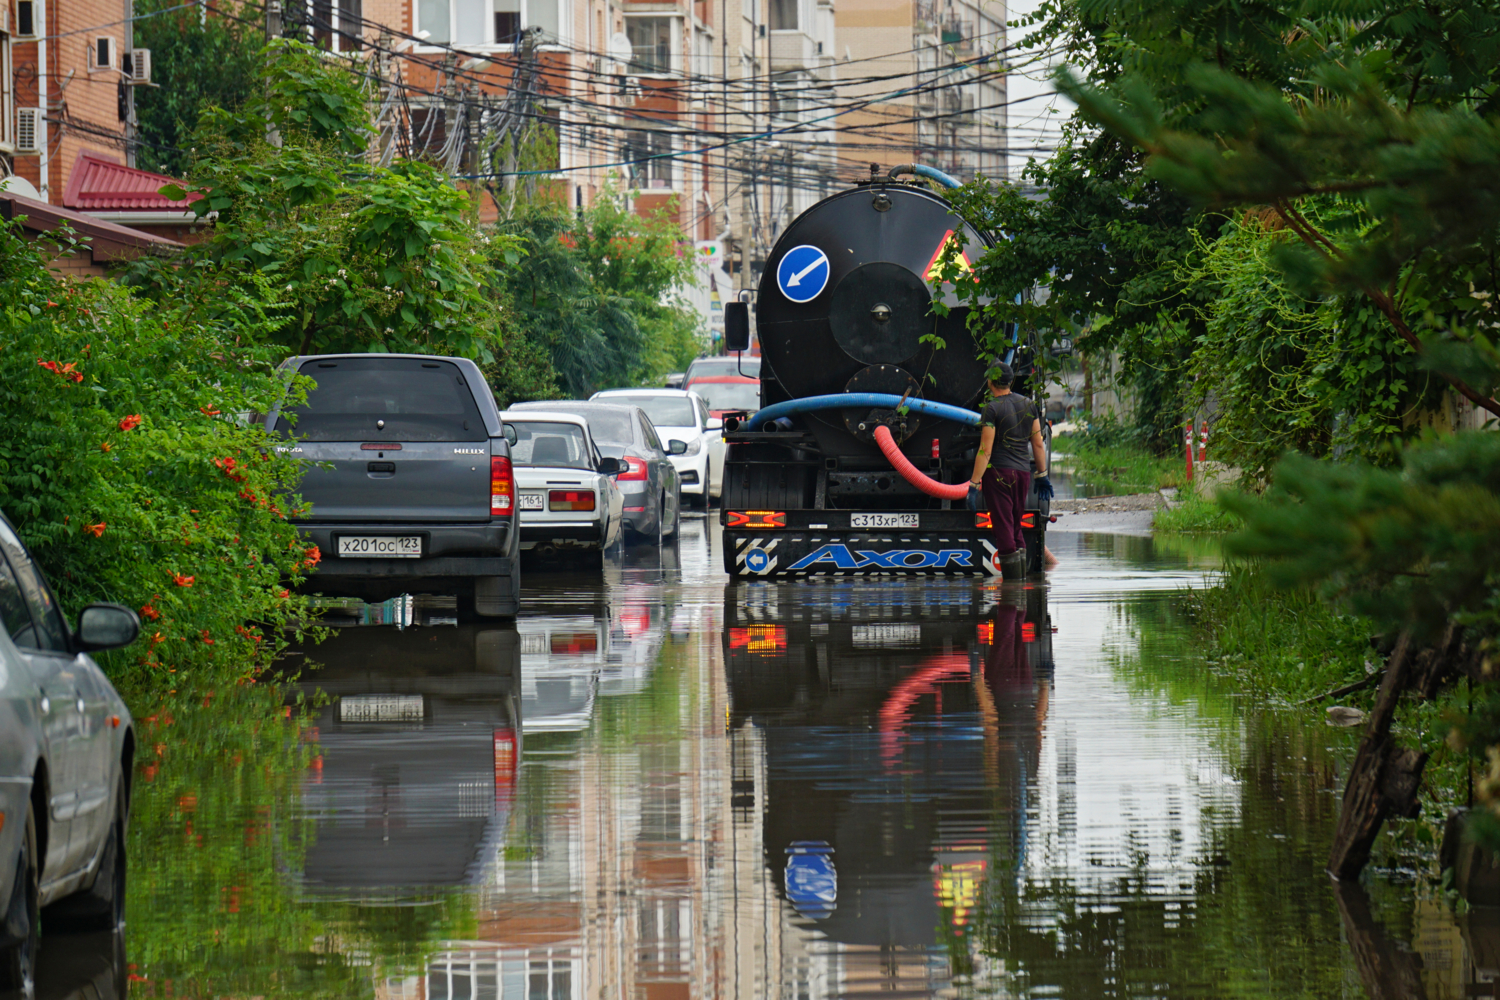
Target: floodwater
[(660, 785)]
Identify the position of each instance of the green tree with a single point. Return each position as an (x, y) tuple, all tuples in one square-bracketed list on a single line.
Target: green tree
[(199, 58), (599, 293), (354, 257)]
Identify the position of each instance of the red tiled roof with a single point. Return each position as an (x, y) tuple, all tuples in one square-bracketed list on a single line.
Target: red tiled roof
[(99, 185), (107, 241)]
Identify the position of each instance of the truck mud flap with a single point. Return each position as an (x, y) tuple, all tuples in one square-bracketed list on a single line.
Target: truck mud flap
[(792, 553)]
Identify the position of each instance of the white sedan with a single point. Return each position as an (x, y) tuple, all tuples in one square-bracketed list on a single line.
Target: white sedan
[(567, 496), (683, 416)]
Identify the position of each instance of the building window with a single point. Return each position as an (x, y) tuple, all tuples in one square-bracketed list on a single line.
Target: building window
[(783, 15), (650, 43), (649, 167), (336, 25), (454, 22), (7, 97)]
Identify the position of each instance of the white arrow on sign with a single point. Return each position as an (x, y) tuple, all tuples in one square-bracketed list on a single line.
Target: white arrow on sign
[(796, 279)]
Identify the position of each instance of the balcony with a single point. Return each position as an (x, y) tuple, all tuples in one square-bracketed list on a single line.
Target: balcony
[(792, 50)]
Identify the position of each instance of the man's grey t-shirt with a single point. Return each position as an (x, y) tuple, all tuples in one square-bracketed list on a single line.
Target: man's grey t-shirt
[(1011, 415)]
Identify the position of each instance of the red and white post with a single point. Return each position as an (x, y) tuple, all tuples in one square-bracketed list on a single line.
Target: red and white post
[(1203, 442), (1187, 440)]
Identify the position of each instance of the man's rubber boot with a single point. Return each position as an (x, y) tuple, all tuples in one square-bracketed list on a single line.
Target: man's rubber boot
[(1013, 566)]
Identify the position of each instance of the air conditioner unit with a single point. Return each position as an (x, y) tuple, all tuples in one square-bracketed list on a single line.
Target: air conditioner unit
[(26, 26), (104, 54), (138, 67), (31, 131)]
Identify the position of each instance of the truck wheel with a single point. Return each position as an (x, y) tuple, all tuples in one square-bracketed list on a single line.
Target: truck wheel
[(23, 918), (101, 907)]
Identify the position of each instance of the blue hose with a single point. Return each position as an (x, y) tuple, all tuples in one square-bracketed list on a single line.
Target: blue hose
[(923, 170), (846, 400)]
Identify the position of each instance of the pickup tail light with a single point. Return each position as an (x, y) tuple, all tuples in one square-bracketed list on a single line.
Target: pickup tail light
[(570, 500), (755, 519), (502, 486), (635, 473)]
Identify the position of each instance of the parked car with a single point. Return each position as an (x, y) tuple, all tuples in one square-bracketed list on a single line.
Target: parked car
[(678, 416), (409, 478), (674, 380), (744, 366), (66, 748), (650, 488), (566, 493), (727, 393)]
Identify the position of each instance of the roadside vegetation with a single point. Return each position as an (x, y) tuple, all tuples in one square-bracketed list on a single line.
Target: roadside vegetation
[(1110, 457), (128, 468)]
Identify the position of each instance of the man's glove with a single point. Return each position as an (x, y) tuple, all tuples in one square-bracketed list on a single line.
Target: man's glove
[(1043, 488), (975, 500)]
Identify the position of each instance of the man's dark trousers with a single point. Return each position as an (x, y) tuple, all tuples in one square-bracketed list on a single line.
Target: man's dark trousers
[(1005, 494)]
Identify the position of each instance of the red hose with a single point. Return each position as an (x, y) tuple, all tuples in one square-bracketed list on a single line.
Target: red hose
[(910, 473)]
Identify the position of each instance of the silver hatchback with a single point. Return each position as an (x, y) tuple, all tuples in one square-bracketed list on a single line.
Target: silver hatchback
[(66, 744)]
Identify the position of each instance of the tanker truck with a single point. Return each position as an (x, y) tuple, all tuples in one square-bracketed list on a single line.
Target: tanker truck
[(858, 458)]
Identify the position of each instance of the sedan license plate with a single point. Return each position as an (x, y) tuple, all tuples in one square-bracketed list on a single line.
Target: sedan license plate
[(380, 708), (380, 546), (533, 501), (882, 520)]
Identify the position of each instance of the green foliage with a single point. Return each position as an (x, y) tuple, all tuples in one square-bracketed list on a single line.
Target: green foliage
[(128, 468), (198, 59), (351, 257), (1112, 458), (1195, 513), (598, 293)]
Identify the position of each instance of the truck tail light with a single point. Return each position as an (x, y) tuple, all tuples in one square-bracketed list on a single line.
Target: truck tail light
[(570, 500), (636, 473), (502, 486), (755, 519)]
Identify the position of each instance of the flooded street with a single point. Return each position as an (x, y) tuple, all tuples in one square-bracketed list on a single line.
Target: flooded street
[(662, 785)]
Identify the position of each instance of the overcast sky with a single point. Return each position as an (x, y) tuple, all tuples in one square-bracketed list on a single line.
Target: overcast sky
[(1036, 117)]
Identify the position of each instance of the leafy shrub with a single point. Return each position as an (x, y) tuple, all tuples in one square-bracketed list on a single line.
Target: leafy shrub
[(128, 469)]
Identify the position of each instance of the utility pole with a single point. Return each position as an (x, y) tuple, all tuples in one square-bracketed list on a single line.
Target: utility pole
[(131, 126), (273, 32)]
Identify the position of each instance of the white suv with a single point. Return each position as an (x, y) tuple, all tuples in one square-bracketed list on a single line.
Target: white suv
[(679, 415)]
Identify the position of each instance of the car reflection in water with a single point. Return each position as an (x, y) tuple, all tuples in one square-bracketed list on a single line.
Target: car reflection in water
[(901, 728), (419, 747)]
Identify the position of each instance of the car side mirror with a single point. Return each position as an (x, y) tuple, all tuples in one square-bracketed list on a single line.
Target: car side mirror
[(676, 447), (106, 626), (715, 424), (511, 435), (611, 466), (736, 326)]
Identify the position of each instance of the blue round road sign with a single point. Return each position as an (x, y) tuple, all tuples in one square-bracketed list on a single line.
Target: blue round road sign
[(756, 560), (802, 273)]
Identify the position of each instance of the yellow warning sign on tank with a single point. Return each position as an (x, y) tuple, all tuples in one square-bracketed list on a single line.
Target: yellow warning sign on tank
[(962, 260)]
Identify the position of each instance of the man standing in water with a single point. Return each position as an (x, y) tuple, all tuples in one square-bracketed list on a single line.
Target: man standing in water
[(1011, 428)]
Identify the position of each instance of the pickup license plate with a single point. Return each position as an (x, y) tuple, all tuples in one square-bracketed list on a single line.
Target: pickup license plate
[(380, 708), (533, 501), (380, 546), (882, 520)]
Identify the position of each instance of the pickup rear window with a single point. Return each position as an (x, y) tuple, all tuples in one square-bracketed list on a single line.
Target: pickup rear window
[(418, 400)]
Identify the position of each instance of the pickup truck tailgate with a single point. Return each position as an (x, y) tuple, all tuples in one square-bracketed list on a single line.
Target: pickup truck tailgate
[(423, 481)]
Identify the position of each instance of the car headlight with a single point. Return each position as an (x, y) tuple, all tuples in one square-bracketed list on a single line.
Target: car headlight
[(694, 446)]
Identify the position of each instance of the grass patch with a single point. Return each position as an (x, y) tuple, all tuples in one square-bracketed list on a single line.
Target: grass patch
[(1282, 643), (1110, 458), (1195, 513)]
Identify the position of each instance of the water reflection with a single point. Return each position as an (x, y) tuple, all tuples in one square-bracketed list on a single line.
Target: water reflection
[(418, 747), (658, 784)]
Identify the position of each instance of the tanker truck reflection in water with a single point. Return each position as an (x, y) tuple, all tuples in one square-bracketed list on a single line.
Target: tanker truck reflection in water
[(914, 717)]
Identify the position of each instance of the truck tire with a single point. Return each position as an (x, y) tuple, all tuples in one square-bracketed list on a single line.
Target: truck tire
[(762, 486), (23, 917)]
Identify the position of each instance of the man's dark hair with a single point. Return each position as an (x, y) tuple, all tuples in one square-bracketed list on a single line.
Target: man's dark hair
[(1000, 373)]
